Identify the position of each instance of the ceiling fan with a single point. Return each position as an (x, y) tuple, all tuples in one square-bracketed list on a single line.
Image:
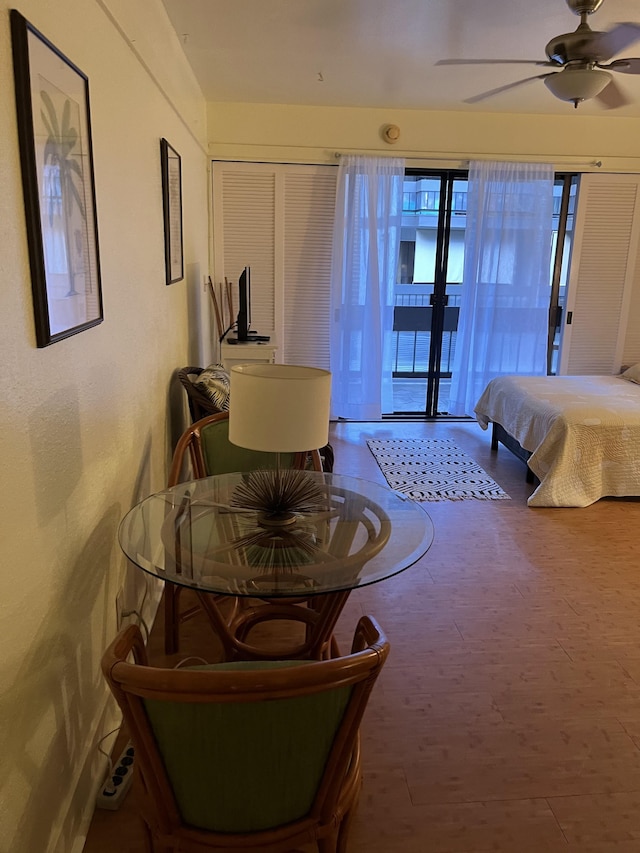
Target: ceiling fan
[(584, 59)]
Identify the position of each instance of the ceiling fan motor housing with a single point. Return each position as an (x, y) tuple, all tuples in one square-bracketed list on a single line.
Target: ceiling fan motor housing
[(579, 46)]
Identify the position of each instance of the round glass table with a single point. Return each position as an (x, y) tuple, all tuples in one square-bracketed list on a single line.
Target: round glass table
[(193, 535)]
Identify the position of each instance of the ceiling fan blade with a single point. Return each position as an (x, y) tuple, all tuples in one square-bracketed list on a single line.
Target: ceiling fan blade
[(493, 62), (476, 98), (612, 97), (617, 39), (624, 66)]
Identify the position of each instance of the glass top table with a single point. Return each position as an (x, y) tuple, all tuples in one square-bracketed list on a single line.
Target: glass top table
[(192, 535)]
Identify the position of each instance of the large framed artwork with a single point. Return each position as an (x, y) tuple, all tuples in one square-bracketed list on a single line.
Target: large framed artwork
[(171, 166), (54, 128)]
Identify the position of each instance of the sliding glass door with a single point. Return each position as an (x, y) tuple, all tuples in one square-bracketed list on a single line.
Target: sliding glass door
[(428, 290), (565, 192), (429, 283)]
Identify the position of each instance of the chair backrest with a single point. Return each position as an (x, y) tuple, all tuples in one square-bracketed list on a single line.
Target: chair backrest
[(206, 442), (245, 747), (200, 405)]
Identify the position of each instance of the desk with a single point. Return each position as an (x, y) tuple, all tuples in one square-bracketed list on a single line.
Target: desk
[(244, 351), (191, 535)]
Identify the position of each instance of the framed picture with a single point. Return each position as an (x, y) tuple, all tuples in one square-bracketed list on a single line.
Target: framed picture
[(54, 128), (172, 209)]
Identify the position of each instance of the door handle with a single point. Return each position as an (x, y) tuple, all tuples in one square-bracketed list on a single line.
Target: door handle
[(444, 299)]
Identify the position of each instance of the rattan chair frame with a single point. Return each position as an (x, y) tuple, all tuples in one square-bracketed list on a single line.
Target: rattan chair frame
[(199, 404), (327, 822)]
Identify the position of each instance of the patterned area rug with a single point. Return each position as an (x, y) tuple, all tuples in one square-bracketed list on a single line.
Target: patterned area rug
[(433, 469)]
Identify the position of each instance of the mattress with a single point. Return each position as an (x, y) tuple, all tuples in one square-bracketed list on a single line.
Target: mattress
[(583, 433)]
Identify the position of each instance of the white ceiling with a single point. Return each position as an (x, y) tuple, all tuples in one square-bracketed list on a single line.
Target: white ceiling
[(382, 53)]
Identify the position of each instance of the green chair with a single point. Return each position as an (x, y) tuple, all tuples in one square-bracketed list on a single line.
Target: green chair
[(205, 446), (202, 450), (247, 755), (202, 404)]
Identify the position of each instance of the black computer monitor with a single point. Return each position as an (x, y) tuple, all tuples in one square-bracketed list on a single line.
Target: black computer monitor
[(243, 322)]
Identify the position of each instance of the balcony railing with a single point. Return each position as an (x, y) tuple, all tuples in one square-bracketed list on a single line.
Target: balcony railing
[(412, 331)]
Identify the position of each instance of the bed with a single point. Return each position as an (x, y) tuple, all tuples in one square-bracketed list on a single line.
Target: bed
[(579, 435)]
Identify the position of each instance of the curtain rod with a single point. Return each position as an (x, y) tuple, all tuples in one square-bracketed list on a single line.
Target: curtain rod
[(465, 161)]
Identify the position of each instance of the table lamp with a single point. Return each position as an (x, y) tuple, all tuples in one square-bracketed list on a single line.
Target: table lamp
[(279, 408)]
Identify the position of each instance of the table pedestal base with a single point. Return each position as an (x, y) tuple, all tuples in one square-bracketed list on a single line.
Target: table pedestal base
[(318, 614)]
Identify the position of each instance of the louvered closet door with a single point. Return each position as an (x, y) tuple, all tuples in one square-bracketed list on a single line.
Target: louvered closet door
[(278, 219), (243, 235), (631, 350), (602, 272), (309, 210)]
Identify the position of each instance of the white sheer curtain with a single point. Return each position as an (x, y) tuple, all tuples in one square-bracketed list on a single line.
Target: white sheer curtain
[(366, 243), (504, 306)]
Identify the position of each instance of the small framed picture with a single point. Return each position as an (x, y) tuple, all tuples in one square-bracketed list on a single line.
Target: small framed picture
[(172, 210), (54, 128)]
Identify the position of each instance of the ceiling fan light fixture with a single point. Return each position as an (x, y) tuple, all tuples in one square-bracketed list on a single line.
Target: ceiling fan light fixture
[(577, 84)]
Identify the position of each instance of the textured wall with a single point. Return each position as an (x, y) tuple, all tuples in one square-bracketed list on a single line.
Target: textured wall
[(84, 427)]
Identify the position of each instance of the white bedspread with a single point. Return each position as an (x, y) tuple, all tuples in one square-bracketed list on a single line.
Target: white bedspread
[(583, 433)]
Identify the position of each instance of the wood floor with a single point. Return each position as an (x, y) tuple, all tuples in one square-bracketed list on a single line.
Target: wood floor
[(507, 718)]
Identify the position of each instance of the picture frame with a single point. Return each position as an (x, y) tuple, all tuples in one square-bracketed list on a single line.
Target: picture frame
[(56, 155), (171, 167)]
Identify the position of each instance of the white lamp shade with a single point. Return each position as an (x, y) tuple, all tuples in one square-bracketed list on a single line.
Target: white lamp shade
[(577, 84), (279, 407)]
